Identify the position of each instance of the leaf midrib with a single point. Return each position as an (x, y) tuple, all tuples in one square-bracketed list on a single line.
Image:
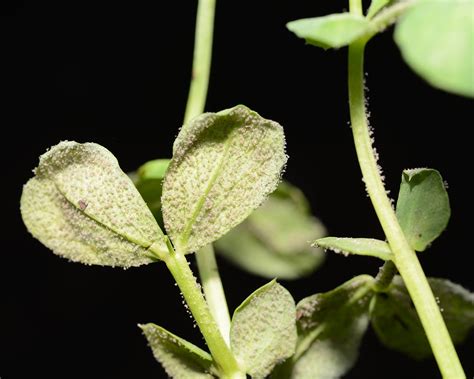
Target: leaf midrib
[(143, 244), (184, 236)]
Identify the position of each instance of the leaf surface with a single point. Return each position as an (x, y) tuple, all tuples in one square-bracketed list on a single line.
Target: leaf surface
[(180, 358), (224, 166), (81, 205), (263, 330)]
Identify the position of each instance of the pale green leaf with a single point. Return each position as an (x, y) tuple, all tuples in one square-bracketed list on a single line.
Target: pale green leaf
[(330, 329), (83, 207), (397, 325), (331, 31), (263, 331), (149, 181), (274, 240), (436, 39), (376, 6), (358, 246), (422, 207), (224, 166), (180, 358), (290, 192)]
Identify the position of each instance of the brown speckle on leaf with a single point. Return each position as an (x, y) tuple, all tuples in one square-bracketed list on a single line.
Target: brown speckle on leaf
[(82, 205)]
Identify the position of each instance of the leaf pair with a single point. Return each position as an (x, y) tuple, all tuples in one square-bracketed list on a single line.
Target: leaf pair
[(331, 325), (423, 212), (263, 334), (436, 37), (82, 206), (271, 242), (398, 326)]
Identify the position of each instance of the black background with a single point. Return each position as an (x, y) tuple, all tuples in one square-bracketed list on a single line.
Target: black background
[(117, 74)]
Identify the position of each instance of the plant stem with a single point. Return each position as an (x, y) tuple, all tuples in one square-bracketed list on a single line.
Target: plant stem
[(405, 258), (388, 16), (212, 316), (191, 291), (385, 276), (213, 290), (201, 59), (205, 257)]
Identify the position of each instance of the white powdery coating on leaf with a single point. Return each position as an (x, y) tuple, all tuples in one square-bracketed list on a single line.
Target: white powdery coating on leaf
[(82, 206), (332, 325), (263, 332), (224, 166), (175, 355)]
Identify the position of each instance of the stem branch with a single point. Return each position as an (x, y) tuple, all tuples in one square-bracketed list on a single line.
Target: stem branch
[(201, 59), (213, 290), (191, 291), (385, 276), (212, 317), (405, 258)]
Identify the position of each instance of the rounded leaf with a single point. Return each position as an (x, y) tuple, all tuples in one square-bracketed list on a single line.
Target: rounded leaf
[(263, 331), (274, 240), (224, 166), (398, 326), (436, 39), (422, 206), (82, 206), (331, 31)]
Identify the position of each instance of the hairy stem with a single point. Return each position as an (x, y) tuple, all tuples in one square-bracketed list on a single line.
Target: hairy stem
[(206, 260), (385, 276), (201, 59), (388, 16), (405, 258), (191, 291), (213, 290)]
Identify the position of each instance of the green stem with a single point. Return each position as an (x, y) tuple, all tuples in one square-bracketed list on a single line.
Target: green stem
[(201, 59), (388, 16), (206, 260), (405, 258), (213, 290), (355, 7), (385, 276), (191, 291)]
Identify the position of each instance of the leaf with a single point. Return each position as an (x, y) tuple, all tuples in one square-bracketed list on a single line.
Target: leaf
[(273, 240), (422, 207), (263, 330), (224, 166), (180, 358), (436, 39), (397, 325), (330, 329), (359, 246), (331, 31), (376, 6), (287, 191), (83, 207), (149, 181)]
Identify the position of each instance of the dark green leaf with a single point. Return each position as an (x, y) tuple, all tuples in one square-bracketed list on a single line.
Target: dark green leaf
[(273, 240), (397, 324), (331, 31), (359, 246), (83, 207), (263, 331), (224, 166), (422, 206), (330, 329), (180, 358), (436, 39)]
